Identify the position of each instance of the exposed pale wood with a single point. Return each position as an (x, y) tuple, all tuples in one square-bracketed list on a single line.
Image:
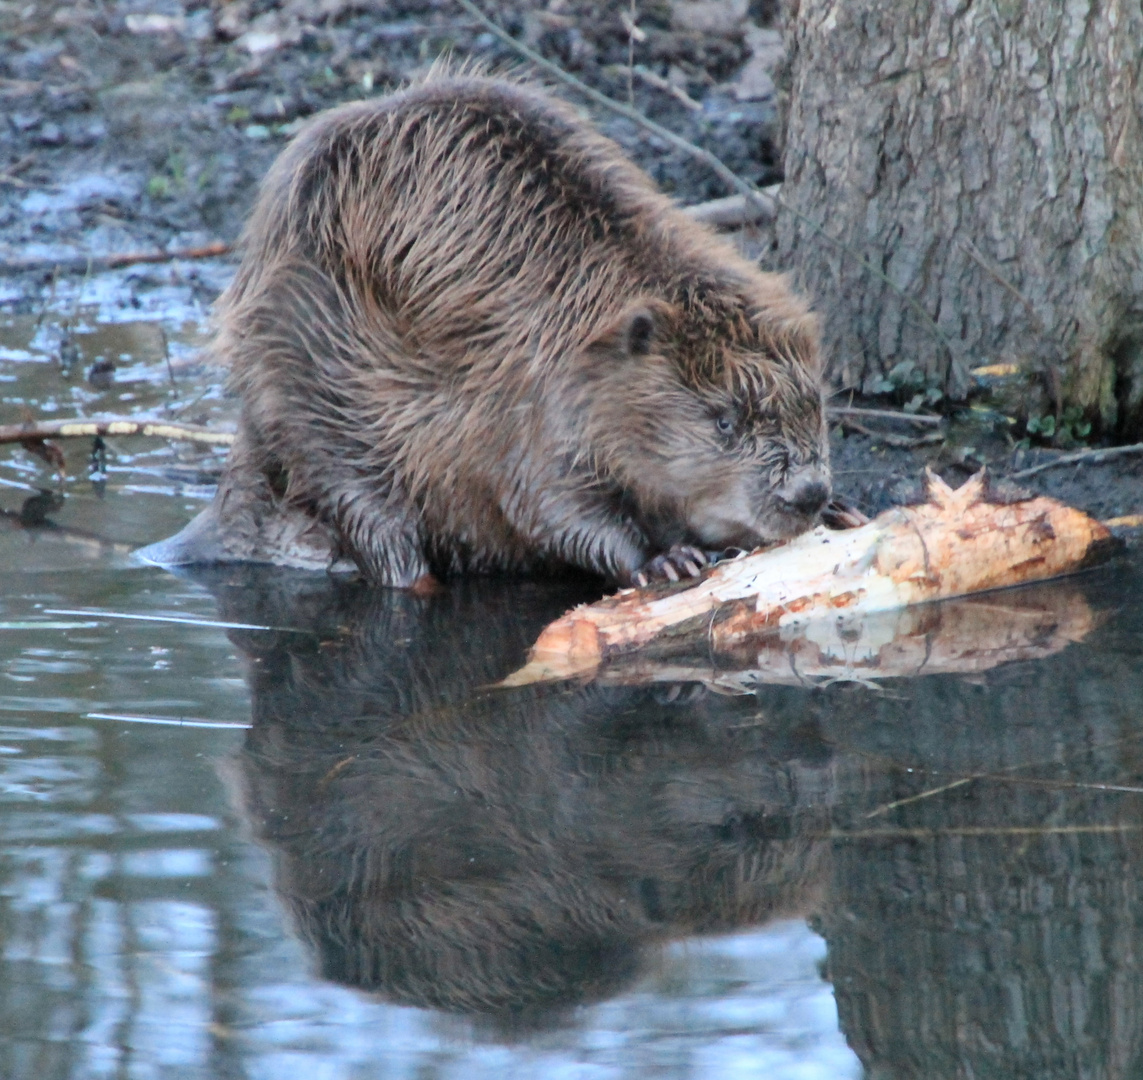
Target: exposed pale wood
[(735, 210), (956, 544), (112, 426), (966, 636)]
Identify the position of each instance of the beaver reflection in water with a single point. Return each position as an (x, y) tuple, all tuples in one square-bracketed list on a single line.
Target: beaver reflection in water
[(502, 854), (468, 334)]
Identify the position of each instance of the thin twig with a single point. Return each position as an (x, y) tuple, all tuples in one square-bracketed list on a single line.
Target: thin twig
[(1055, 785), (22, 164), (113, 426), (653, 78), (629, 24), (15, 181), (899, 441), (167, 721), (715, 164), (167, 356), (720, 169), (1064, 785), (979, 830), (1079, 457), (924, 419), (112, 262), (175, 620), (886, 807)]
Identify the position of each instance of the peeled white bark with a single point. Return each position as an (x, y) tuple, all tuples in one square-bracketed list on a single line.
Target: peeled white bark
[(956, 544)]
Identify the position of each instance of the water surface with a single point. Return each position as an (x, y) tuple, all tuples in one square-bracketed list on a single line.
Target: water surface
[(331, 848)]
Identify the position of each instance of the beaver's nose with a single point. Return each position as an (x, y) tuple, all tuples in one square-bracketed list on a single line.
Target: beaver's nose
[(805, 492)]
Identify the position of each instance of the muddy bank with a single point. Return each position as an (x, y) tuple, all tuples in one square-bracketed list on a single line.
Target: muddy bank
[(132, 126), (136, 127)]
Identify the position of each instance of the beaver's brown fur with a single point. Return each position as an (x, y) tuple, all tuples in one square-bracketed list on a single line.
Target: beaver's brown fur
[(468, 333)]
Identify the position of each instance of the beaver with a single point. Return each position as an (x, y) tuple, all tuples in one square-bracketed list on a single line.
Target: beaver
[(468, 334)]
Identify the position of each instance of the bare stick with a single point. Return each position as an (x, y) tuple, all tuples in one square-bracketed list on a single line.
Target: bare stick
[(734, 210), (893, 440), (715, 164), (924, 419), (113, 426), (111, 262), (15, 181), (979, 830), (1080, 457), (653, 78)]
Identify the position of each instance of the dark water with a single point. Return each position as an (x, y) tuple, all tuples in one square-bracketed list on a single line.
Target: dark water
[(401, 871)]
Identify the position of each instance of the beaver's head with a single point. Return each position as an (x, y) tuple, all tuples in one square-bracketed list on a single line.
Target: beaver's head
[(713, 416)]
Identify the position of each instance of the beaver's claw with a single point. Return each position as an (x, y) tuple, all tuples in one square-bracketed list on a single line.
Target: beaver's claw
[(841, 513), (682, 561)]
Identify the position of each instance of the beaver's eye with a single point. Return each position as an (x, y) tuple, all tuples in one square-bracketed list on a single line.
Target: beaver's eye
[(724, 424)]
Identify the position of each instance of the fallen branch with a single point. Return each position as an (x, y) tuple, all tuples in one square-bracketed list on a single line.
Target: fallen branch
[(15, 181), (79, 264), (113, 426), (735, 210), (653, 78), (956, 544), (900, 441), (1079, 457), (922, 419)]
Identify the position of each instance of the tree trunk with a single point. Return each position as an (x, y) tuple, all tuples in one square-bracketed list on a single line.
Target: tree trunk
[(987, 157)]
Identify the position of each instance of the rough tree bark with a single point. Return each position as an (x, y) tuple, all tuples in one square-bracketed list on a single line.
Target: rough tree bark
[(987, 157)]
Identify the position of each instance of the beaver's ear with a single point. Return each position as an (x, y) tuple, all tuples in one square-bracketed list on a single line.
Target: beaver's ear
[(640, 330), (635, 331)]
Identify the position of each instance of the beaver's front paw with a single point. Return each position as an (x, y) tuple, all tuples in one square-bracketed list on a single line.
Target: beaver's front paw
[(682, 561), (841, 513)]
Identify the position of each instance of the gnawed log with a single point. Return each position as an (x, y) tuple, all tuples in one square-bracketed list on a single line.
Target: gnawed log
[(966, 636), (957, 543)]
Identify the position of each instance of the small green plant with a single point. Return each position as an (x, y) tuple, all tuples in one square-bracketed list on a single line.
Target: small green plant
[(238, 114), (173, 177), (1070, 430), (909, 387), (176, 168)]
